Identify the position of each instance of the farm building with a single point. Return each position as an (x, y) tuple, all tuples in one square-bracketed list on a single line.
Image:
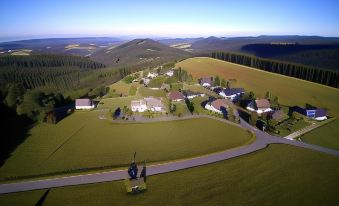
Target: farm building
[(206, 81), (232, 93), (148, 103), (259, 106), (176, 96), (138, 105), (311, 112), (84, 104), (191, 95), (154, 104), (218, 105)]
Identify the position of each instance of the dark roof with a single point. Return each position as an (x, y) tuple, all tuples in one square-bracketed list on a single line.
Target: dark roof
[(176, 95), (188, 93), (83, 102), (233, 91), (218, 89), (320, 113)]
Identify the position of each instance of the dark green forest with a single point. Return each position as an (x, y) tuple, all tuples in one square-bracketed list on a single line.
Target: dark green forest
[(32, 87), (313, 74)]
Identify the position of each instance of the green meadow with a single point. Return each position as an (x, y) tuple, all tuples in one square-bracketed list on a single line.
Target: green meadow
[(277, 175), (290, 91), (84, 141)]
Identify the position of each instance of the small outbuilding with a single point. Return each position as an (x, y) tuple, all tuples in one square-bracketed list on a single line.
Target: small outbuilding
[(84, 104), (206, 81), (311, 112)]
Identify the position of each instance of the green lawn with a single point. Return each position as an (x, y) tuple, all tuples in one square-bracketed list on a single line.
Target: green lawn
[(82, 140), (290, 91), (157, 82), (181, 108), (278, 175), (133, 90), (114, 103), (326, 136), (176, 86), (290, 125), (145, 92), (198, 88), (123, 88)]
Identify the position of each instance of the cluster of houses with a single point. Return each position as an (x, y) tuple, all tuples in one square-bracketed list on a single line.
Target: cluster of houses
[(221, 105), (260, 106), (151, 75)]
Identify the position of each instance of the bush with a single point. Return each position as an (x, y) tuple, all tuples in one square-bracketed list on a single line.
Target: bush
[(128, 79)]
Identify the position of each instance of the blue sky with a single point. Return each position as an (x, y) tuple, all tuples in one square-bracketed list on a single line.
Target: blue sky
[(70, 18)]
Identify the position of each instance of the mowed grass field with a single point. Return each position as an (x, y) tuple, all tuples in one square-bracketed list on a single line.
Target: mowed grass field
[(82, 140), (277, 175), (290, 91)]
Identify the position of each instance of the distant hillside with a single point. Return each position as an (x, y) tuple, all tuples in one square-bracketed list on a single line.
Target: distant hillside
[(318, 55), (236, 43), (74, 46), (144, 52)]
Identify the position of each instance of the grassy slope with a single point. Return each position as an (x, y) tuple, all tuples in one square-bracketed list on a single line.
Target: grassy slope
[(97, 143), (278, 175), (326, 136), (290, 91)]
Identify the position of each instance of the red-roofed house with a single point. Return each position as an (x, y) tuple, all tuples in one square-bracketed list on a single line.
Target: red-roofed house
[(176, 96)]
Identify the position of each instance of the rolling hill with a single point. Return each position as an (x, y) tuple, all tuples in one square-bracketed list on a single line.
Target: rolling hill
[(138, 52), (70, 46)]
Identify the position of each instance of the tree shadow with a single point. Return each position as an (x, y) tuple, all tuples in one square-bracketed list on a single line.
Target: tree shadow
[(43, 198), (14, 129)]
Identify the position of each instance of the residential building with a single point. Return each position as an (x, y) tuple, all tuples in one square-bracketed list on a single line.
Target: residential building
[(152, 75), (154, 104), (218, 105), (138, 105), (259, 106), (176, 96), (311, 112), (190, 95), (169, 73), (148, 103), (232, 93)]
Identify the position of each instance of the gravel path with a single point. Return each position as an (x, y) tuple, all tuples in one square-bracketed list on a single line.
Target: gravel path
[(261, 142)]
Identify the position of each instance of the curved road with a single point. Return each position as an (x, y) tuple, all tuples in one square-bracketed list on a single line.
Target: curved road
[(262, 141)]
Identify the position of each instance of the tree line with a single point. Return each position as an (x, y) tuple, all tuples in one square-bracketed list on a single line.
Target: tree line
[(313, 74), (49, 60)]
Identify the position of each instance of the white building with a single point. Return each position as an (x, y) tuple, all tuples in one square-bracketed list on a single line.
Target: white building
[(154, 104), (232, 93), (169, 73), (152, 75), (138, 105), (84, 104), (148, 103), (217, 105)]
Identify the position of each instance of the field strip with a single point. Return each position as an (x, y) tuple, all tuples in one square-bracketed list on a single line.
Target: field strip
[(262, 141), (69, 138)]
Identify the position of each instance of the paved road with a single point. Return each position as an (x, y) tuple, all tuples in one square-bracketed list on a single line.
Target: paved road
[(262, 141)]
